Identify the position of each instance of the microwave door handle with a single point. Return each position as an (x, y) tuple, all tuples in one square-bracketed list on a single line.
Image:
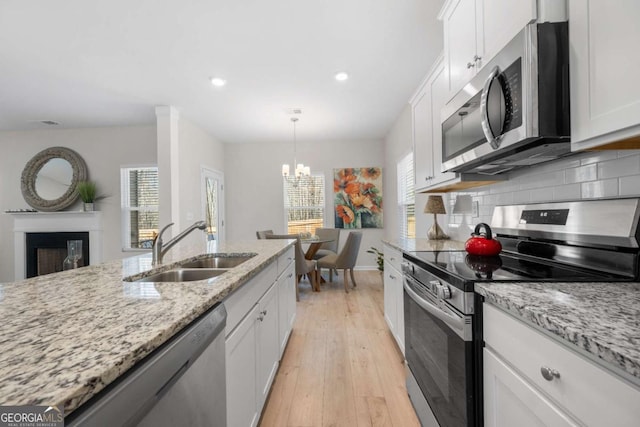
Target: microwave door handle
[(457, 324), (484, 110)]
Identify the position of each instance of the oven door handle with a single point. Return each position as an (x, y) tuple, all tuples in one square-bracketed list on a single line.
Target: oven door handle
[(457, 324)]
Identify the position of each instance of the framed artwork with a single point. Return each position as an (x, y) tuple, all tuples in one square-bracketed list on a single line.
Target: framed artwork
[(357, 195)]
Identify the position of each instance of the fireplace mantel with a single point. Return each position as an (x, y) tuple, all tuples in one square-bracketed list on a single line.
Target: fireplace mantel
[(51, 222)]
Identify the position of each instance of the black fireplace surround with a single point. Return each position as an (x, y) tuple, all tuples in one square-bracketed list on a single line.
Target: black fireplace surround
[(56, 240)]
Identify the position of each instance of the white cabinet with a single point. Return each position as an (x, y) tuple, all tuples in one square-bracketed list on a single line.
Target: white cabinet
[(394, 295), (605, 95), (536, 380), (242, 372), (475, 31), (286, 304), (260, 316), (286, 297), (268, 350), (427, 130)]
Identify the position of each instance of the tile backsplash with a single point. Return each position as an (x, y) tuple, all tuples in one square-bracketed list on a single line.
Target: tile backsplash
[(589, 175)]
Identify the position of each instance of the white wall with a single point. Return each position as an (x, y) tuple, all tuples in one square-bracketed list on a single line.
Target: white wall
[(591, 175), (254, 196), (397, 144), (198, 149), (103, 149)]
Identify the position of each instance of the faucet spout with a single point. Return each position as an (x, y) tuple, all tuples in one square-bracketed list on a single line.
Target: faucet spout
[(159, 248)]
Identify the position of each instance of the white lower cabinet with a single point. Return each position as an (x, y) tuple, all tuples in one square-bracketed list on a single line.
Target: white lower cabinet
[(531, 379), (287, 305), (242, 372), (268, 343), (394, 294), (509, 400), (259, 322)]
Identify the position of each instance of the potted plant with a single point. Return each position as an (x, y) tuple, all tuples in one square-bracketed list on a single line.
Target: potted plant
[(379, 258), (88, 194)]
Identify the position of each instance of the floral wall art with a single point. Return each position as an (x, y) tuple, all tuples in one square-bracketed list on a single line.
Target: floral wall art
[(358, 197)]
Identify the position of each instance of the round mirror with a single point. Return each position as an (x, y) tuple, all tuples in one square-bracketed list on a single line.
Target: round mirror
[(50, 179)]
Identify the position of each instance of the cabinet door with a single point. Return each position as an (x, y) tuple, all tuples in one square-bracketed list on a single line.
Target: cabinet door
[(605, 95), (242, 365), (422, 151), (509, 400), (286, 306), (268, 343), (390, 310), (460, 43), (498, 22), (439, 95), (399, 298)]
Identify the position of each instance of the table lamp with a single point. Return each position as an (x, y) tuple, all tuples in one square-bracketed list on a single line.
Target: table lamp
[(463, 206), (435, 205)]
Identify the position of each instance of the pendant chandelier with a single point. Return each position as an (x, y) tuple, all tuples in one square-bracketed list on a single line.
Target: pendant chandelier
[(300, 169)]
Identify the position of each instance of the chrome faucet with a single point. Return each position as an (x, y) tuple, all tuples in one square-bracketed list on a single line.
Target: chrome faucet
[(159, 249)]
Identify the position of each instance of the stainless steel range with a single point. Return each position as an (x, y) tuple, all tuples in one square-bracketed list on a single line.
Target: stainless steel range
[(584, 241)]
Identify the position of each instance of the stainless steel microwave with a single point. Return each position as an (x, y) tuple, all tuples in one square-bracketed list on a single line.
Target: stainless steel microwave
[(515, 111)]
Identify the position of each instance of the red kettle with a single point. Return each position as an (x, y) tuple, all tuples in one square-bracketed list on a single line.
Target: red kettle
[(482, 243)]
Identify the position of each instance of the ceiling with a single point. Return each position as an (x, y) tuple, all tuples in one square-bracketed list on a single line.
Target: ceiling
[(109, 63)]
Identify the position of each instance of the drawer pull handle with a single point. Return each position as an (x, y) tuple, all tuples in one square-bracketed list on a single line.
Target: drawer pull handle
[(261, 318), (290, 276), (263, 312), (392, 277), (549, 374), (392, 259)]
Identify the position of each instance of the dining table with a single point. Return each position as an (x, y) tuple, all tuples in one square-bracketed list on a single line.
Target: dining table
[(314, 246)]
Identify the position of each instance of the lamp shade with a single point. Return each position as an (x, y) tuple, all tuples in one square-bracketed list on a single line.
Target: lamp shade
[(463, 204), (434, 205)]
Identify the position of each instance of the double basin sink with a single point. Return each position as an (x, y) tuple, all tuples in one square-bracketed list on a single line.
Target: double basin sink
[(200, 269)]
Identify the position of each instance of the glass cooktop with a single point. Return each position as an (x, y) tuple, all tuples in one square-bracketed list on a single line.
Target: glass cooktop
[(460, 266)]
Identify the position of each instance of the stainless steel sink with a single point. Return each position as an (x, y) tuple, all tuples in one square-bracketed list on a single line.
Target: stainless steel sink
[(184, 275), (218, 262)]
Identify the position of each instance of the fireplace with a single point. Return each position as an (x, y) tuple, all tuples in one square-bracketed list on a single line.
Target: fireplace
[(72, 222), (47, 251)]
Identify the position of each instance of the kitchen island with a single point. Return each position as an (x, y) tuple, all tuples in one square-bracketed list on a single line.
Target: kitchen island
[(67, 335)]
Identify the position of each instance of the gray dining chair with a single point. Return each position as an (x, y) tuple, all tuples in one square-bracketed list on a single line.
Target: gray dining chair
[(327, 248), (345, 260), (304, 267), (263, 234)]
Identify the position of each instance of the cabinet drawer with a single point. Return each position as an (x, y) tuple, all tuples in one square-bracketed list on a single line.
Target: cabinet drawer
[(242, 300), (284, 260), (393, 257), (584, 389)]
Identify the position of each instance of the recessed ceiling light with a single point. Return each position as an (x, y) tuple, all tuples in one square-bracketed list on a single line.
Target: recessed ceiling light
[(341, 76), (218, 82)]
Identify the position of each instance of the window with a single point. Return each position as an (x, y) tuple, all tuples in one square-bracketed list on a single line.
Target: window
[(406, 198), (304, 203), (140, 200)]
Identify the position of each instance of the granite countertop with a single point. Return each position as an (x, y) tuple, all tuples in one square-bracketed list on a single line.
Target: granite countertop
[(602, 319), (65, 336), (418, 245)]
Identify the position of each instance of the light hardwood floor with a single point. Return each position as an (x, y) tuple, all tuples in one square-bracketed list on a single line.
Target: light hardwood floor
[(341, 366)]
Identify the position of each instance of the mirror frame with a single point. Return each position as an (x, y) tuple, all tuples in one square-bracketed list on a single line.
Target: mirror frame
[(33, 167)]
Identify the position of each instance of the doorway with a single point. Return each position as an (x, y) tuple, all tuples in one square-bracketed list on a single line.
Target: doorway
[(213, 203)]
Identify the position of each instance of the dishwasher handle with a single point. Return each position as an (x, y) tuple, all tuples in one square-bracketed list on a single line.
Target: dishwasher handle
[(129, 398)]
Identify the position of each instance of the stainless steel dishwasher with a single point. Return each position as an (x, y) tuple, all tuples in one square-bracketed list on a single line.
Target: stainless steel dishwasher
[(181, 383)]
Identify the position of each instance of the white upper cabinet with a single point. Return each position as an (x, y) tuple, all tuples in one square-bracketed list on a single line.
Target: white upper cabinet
[(475, 30), (605, 94), (427, 130)]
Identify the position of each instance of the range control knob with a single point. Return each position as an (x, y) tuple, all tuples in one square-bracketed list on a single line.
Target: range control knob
[(434, 285), (444, 292)]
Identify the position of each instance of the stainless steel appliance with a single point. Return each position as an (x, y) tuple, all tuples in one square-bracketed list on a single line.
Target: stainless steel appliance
[(515, 111), (180, 383), (585, 241)]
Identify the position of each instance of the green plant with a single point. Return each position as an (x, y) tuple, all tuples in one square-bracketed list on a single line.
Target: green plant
[(87, 191), (379, 257)]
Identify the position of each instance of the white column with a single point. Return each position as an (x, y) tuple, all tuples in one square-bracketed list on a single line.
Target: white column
[(167, 118)]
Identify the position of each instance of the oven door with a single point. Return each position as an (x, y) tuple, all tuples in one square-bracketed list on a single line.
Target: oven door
[(439, 354)]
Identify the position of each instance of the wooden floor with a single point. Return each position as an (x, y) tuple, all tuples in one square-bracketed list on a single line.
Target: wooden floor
[(341, 366)]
